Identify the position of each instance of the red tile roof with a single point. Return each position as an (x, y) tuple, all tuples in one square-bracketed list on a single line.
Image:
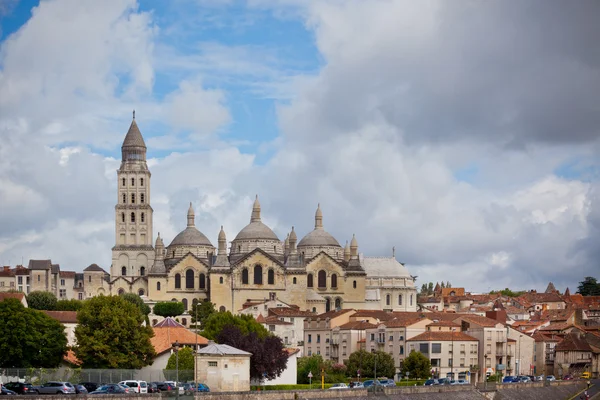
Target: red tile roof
[(64, 317), (457, 291), (289, 312), (331, 314), (164, 337), (357, 325), (479, 320), (67, 274), (444, 323), (573, 342), (442, 337), (11, 295)]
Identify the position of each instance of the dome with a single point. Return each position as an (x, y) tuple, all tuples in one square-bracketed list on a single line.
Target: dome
[(256, 230), (191, 236), (318, 237)]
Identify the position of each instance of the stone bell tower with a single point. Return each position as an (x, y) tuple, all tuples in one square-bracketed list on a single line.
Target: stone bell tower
[(133, 254)]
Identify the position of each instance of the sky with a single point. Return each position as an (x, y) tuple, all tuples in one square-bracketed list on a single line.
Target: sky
[(465, 134)]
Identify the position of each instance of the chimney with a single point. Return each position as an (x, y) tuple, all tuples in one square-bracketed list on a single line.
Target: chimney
[(499, 315), (6, 268)]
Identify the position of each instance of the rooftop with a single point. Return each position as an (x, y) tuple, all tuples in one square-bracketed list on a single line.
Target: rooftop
[(442, 337)]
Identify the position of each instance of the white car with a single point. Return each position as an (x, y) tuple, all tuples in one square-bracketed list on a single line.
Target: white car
[(136, 386), (339, 386), (550, 378)]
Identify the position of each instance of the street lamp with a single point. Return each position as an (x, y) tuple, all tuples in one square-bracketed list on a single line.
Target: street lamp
[(176, 349), (452, 358), (519, 356), (485, 356)]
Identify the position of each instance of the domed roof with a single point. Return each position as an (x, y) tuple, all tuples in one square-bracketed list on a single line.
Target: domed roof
[(256, 229), (319, 236), (191, 236)]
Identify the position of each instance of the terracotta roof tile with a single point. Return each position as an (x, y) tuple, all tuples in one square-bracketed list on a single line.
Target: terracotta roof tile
[(289, 312), (64, 317), (164, 337), (442, 337), (357, 325), (260, 319), (457, 292), (67, 274), (444, 323), (11, 295), (331, 314), (274, 320), (71, 358), (479, 320), (573, 342)]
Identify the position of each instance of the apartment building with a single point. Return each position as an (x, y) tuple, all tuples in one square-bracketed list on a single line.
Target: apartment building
[(544, 353), (524, 352), (318, 331), (453, 354), (347, 338)]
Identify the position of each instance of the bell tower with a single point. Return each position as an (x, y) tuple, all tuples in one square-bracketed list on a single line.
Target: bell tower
[(133, 254)]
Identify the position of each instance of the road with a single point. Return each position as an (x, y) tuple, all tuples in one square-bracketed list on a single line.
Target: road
[(594, 391)]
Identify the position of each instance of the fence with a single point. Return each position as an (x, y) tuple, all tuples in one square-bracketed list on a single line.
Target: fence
[(38, 376)]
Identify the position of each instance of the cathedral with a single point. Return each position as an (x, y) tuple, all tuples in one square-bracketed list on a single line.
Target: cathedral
[(315, 274)]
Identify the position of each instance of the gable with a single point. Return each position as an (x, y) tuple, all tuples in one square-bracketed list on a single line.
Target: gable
[(324, 261), (257, 256), (187, 261)]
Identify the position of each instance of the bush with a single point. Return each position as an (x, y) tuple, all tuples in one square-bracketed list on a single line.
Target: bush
[(68, 305), (168, 308), (39, 300)]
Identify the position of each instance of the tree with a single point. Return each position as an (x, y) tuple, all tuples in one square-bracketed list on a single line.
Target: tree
[(215, 323), (168, 308), (29, 338), (430, 288), (110, 334), (186, 363), (203, 309), (417, 365), (39, 300), (68, 305), (137, 300), (269, 357), (312, 364), (369, 363), (424, 289), (589, 287)]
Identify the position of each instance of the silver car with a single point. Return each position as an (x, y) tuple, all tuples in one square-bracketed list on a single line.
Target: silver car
[(55, 387)]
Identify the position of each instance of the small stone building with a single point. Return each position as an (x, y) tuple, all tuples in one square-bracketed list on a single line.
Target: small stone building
[(223, 368)]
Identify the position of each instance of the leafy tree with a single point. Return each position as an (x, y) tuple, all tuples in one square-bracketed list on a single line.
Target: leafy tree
[(137, 300), (39, 300), (168, 308), (508, 293), (430, 288), (186, 363), (110, 334), (68, 305), (417, 365), (424, 288), (312, 364), (369, 363), (29, 338), (203, 309), (589, 287), (443, 285), (448, 285), (269, 357), (215, 323)]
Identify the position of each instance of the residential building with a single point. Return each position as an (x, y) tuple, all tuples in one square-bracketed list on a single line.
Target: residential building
[(346, 339), (223, 368), (318, 331), (524, 352), (69, 320), (544, 353), (19, 296), (289, 376), (578, 352), (453, 354)]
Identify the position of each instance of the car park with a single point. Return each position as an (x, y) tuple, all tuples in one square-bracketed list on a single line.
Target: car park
[(56, 387), (165, 386), (109, 389), (21, 387), (152, 388), (339, 386), (136, 386)]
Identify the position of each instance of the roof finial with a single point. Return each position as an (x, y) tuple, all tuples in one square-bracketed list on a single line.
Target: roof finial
[(319, 217), (190, 216), (255, 211), (394, 252), (133, 114)]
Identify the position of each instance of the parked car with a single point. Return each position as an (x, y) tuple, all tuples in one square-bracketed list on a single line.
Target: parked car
[(6, 392), (550, 378), (462, 382), (509, 379), (136, 386), (444, 381), (165, 386), (55, 387), (126, 388), (586, 375), (371, 382), (152, 388), (539, 378), (339, 386), (21, 387), (568, 377), (80, 389), (203, 388), (431, 382), (109, 389), (90, 386), (388, 382), (356, 385), (523, 379)]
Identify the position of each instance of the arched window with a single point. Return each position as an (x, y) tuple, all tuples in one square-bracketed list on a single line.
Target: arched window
[(189, 279), (132, 198), (158, 286), (222, 309), (309, 280), (334, 280), (271, 277), (124, 198), (123, 181), (142, 217), (338, 303), (121, 291), (202, 283), (388, 299), (354, 284), (401, 350), (314, 309), (141, 181), (132, 181), (123, 270), (322, 279), (122, 217), (142, 271), (327, 304), (142, 198), (221, 280), (80, 284), (258, 278), (177, 281), (294, 281), (185, 304), (184, 321), (141, 292), (132, 217), (245, 276), (399, 299)]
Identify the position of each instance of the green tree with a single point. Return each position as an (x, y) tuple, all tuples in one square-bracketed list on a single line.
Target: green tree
[(203, 309), (68, 305), (186, 364), (168, 308), (312, 364), (137, 300), (424, 288), (110, 334), (589, 287), (417, 365), (430, 288), (215, 323), (369, 363), (39, 300), (29, 338)]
